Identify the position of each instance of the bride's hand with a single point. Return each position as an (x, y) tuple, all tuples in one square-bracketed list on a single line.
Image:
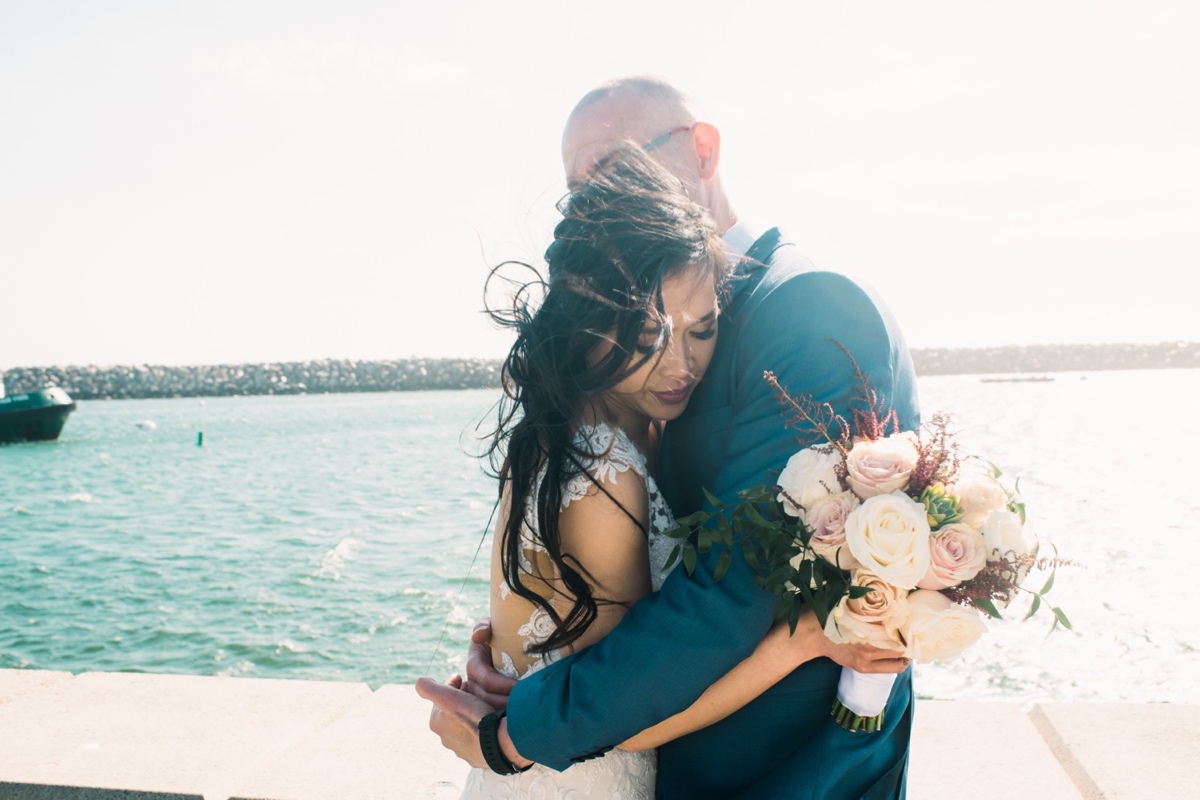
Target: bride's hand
[(809, 641), (483, 680)]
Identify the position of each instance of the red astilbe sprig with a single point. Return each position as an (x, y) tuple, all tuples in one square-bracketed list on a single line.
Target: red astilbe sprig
[(937, 458), (813, 421), (1001, 580), (869, 413)]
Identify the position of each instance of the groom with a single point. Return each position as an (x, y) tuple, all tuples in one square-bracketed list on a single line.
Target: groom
[(785, 316)]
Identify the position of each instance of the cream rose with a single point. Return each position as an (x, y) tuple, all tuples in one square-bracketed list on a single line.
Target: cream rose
[(881, 466), (978, 495), (938, 629), (889, 535), (956, 553), (826, 518), (1005, 536), (809, 475), (874, 618)]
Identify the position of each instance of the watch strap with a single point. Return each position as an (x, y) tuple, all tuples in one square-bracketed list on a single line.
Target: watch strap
[(489, 743)]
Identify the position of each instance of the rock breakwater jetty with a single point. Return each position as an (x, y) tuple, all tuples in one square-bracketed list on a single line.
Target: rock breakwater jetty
[(1045, 358), (298, 377), (414, 374)]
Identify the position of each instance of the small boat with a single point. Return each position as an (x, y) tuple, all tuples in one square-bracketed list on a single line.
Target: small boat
[(34, 416)]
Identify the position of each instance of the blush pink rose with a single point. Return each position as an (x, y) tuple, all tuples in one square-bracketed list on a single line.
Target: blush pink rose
[(875, 618), (881, 466), (979, 494), (956, 553), (827, 521)]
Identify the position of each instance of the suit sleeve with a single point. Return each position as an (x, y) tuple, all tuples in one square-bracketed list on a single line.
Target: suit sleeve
[(675, 643)]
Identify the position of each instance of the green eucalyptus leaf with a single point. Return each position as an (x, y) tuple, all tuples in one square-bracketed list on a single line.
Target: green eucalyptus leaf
[(794, 616), (757, 494), (689, 558), (712, 499), (1061, 617), (987, 606), (780, 575), (723, 562), (756, 516), (678, 532), (673, 558), (1033, 607), (750, 555)]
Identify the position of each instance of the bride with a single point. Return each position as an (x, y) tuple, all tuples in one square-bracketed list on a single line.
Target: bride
[(625, 328)]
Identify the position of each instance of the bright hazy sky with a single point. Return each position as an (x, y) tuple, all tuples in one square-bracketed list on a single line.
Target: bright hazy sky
[(271, 181)]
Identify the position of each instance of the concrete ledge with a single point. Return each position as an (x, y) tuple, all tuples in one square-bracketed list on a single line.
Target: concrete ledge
[(160, 733), (381, 747), (982, 750), (121, 736), (1122, 751), (32, 791)]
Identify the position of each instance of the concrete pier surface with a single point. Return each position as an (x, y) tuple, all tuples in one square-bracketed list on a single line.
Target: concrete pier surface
[(132, 736)]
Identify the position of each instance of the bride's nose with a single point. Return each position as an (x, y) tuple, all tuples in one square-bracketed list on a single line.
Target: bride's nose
[(679, 360)]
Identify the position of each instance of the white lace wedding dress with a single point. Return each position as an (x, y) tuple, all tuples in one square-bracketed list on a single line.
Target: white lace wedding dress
[(618, 774)]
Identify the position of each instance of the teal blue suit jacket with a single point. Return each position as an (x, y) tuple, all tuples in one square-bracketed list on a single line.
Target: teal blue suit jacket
[(787, 317)]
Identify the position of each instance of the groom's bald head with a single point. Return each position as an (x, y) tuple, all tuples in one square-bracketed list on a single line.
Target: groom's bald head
[(637, 108), (657, 115)]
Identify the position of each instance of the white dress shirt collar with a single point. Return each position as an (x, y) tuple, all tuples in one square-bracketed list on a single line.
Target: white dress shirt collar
[(740, 237)]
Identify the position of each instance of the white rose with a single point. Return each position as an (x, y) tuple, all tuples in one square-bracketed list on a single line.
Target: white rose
[(874, 618), (1006, 537), (881, 466), (826, 518), (938, 629), (956, 553), (978, 495), (809, 475), (889, 535)]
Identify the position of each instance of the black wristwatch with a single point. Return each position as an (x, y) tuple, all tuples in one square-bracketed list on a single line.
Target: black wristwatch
[(489, 743)]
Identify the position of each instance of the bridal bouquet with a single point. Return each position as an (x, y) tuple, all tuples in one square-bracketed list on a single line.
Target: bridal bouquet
[(895, 539)]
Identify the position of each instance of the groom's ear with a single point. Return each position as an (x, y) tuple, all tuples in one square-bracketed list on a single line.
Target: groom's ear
[(708, 148)]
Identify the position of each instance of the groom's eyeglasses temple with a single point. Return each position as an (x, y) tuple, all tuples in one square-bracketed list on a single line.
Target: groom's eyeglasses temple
[(666, 137)]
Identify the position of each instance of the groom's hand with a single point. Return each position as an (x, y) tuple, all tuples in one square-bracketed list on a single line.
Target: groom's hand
[(483, 680), (455, 719)]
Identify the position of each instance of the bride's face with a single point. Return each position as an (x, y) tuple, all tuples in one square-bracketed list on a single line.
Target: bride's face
[(662, 386)]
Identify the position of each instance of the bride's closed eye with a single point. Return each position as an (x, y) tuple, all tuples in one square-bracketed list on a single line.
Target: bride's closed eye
[(649, 341)]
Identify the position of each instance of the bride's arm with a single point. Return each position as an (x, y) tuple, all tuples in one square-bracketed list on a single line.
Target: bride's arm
[(776, 656), (608, 547)]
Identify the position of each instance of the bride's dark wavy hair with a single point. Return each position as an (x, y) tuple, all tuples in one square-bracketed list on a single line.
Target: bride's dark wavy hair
[(623, 231)]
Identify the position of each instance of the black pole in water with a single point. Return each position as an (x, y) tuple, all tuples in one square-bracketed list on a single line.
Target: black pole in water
[(200, 439)]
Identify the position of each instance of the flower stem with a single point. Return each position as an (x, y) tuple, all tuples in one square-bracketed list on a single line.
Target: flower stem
[(855, 722)]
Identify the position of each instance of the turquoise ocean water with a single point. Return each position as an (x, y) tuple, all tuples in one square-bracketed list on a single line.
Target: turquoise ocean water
[(331, 536)]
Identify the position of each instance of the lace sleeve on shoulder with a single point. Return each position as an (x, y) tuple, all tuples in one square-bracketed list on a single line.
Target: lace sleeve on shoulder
[(613, 453)]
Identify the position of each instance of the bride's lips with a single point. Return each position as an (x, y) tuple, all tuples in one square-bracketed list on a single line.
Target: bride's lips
[(674, 397)]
